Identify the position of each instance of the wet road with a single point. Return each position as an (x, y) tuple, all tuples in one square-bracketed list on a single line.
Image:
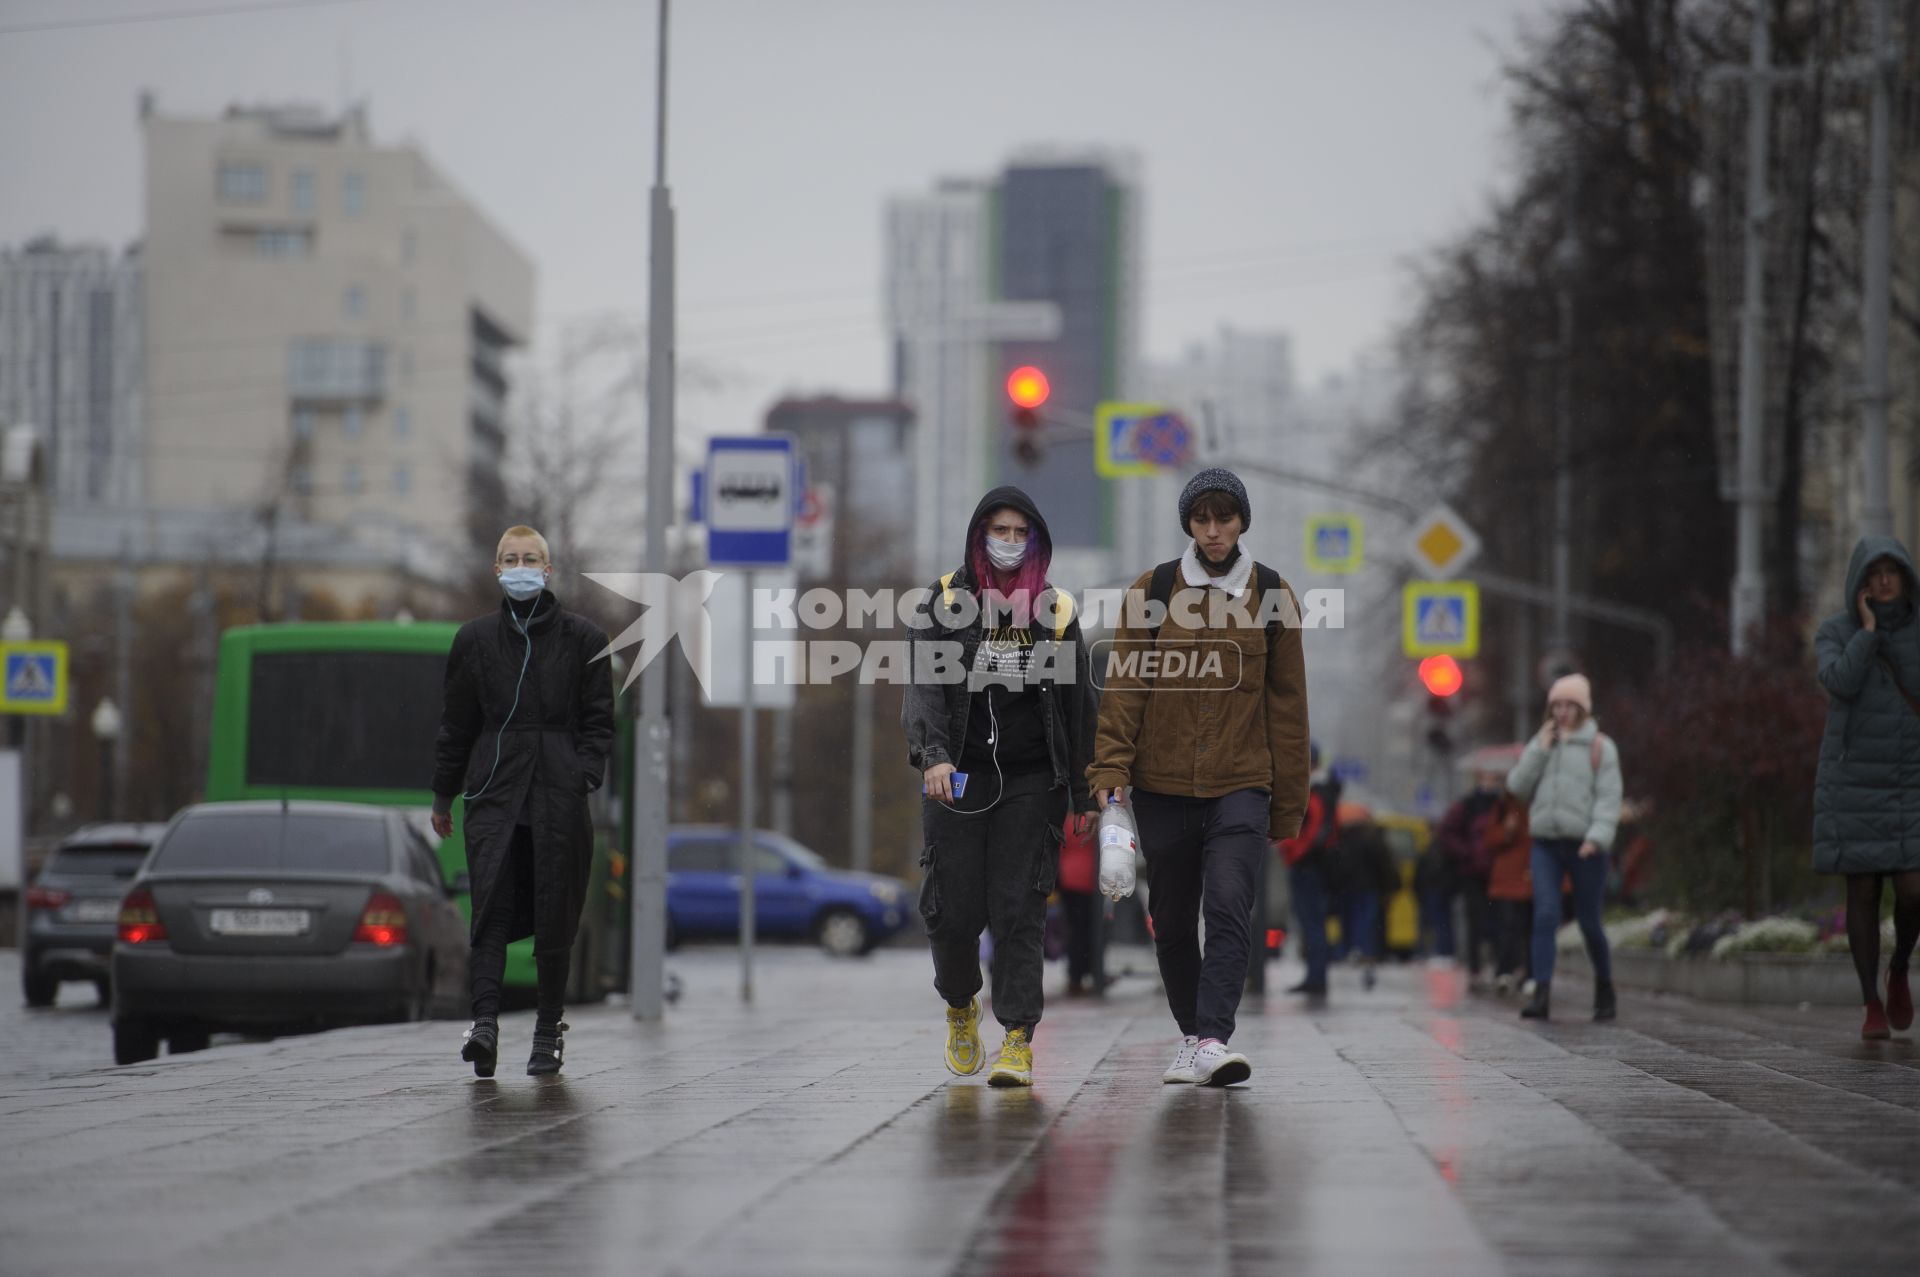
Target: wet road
[(1409, 1130), (71, 1034)]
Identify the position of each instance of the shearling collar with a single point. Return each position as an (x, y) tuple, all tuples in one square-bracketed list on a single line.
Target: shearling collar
[(1193, 572)]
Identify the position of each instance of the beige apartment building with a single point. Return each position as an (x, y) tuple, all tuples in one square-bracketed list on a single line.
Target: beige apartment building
[(326, 325)]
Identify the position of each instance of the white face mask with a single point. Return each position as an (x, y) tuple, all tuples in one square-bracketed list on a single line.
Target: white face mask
[(1006, 555)]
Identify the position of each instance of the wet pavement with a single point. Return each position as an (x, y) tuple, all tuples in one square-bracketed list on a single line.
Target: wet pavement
[(1412, 1129)]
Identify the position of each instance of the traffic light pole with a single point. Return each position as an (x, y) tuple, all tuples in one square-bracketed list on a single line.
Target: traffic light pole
[(1644, 619)]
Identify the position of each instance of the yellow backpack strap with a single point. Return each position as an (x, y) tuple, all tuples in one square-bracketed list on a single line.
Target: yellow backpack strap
[(946, 587), (1062, 614)]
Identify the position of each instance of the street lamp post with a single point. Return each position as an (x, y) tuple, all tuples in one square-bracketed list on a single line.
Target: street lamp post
[(107, 724), (647, 866)]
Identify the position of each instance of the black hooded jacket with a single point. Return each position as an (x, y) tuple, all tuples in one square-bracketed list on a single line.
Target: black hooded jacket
[(938, 709), (552, 750)]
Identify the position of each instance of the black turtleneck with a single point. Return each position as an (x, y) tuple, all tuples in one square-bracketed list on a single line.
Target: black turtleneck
[(1221, 568)]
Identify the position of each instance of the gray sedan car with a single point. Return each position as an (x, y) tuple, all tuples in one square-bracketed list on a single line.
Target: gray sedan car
[(270, 917), (73, 904)]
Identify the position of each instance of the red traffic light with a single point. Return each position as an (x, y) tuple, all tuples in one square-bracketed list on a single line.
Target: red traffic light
[(1442, 675), (1027, 387)]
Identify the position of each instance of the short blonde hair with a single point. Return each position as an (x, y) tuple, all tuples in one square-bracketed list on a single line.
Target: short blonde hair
[(523, 531)]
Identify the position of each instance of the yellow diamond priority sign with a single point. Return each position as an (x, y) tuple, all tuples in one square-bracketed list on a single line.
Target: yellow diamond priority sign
[(1442, 543)]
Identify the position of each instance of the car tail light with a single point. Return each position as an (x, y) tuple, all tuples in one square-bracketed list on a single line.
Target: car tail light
[(382, 922), (140, 918), (46, 898)]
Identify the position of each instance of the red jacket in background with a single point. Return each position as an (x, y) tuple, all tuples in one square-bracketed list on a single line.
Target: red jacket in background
[(1511, 846), (1294, 850)]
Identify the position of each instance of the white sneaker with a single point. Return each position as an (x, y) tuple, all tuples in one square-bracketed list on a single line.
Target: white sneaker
[(1181, 1070), (1216, 1065)]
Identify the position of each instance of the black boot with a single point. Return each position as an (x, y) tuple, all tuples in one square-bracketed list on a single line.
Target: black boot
[(482, 1046), (1537, 1009), (1603, 1004), (547, 1047)]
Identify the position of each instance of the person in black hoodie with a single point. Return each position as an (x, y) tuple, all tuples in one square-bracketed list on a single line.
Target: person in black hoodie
[(525, 730), (1001, 695)]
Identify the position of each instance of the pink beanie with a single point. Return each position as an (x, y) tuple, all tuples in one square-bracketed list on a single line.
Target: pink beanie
[(1575, 688)]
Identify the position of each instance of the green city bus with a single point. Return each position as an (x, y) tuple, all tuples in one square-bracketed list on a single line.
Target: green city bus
[(348, 711)]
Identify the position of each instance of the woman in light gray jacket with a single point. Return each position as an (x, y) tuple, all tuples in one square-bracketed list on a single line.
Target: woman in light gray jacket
[(1570, 777)]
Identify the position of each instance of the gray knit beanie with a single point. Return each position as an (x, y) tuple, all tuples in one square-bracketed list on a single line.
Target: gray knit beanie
[(1215, 479)]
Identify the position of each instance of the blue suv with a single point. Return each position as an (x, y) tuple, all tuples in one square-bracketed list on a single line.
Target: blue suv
[(796, 893)]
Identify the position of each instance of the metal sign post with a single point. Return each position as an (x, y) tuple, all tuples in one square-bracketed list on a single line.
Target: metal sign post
[(746, 803), (749, 500)]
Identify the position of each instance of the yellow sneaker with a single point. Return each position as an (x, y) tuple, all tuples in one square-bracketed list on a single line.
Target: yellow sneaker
[(1015, 1065), (965, 1054)]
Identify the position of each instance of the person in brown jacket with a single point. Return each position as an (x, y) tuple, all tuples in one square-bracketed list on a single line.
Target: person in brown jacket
[(1205, 718), (1510, 891)]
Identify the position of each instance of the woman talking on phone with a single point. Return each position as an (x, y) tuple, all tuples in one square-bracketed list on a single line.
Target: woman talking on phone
[(1866, 822), (1570, 777), (999, 721)]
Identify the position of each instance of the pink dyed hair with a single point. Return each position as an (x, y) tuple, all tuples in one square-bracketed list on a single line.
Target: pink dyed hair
[(1022, 586)]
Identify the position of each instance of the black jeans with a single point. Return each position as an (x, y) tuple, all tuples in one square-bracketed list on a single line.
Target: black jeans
[(487, 956), (990, 866), (1479, 911), (1512, 935), (1203, 857), (1078, 906)]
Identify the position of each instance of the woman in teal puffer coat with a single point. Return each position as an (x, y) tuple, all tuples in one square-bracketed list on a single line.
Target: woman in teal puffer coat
[(1866, 798)]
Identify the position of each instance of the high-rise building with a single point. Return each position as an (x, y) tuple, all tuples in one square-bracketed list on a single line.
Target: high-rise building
[(71, 366), (936, 297), (327, 320), (1065, 231), (1237, 391), (859, 455), (1038, 266)]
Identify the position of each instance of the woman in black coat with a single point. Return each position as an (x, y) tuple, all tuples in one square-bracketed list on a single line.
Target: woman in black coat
[(1866, 801), (525, 732)]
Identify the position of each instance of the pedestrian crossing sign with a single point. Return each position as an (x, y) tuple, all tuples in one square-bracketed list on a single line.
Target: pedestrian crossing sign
[(1440, 618), (33, 678), (1334, 543)]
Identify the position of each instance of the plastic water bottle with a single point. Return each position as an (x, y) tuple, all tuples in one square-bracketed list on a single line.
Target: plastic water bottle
[(1118, 846)]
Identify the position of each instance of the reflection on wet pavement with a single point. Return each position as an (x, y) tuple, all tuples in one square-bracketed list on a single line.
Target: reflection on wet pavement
[(1414, 1129)]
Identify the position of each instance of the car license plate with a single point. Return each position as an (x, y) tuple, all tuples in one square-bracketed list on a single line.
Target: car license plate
[(261, 922), (93, 911)]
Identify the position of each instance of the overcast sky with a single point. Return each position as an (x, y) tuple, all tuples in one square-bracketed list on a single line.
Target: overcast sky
[(1294, 153)]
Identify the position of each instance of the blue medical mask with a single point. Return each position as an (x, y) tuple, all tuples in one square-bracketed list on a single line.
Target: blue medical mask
[(1006, 555), (523, 583)]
